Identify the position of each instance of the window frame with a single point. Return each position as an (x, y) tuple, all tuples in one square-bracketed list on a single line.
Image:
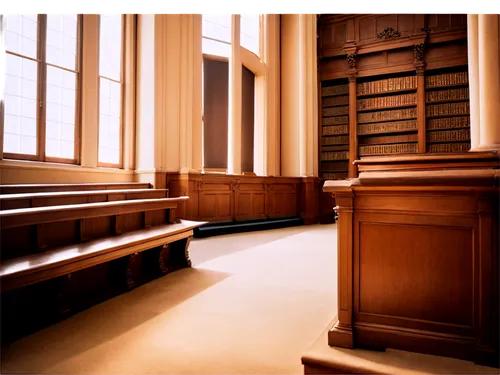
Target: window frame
[(257, 65), (122, 94), (41, 99)]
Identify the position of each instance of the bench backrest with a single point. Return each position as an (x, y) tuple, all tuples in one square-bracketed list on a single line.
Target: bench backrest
[(42, 199), (38, 188), (31, 230)]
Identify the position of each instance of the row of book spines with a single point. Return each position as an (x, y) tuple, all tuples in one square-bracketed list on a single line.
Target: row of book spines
[(449, 135), (387, 85), (335, 100), (405, 148), (443, 95), (448, 147), (340, 155), (336, 111), (460, 108), (388, 139), (335, 90), (335, 148), (448, 123), (340, 140), (447, 79), (342, 165), (397, 114), (387, 127), (335, 130), (387, 101), (335, 175), (339, 120)]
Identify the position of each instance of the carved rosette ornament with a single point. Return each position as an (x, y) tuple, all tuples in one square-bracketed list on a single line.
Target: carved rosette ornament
[(388, 33), (418, 49), (200, 185), (420, 70), (352, 77), (351, 60), (235, 185)]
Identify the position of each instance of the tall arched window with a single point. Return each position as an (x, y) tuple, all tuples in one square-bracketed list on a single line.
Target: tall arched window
[(250, 32), (216, 31)]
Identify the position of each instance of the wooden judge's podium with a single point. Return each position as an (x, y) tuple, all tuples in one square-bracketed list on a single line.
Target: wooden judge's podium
[(418, 255)]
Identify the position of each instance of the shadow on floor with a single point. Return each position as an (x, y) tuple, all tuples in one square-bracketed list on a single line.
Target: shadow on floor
[(108, 320)]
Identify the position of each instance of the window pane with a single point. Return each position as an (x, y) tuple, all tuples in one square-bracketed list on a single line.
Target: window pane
[(61, 40), (109, 121), (110, 46), (20, 105), (22, 34), (212, 47), (60, 114), (217, 26), (250, 32)]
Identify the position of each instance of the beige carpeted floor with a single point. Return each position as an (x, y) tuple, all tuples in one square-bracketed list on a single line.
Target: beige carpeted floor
[(253, 303)]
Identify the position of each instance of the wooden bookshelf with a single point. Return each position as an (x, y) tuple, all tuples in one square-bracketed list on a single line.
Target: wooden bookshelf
[(447, 110), (334, 135), (386, 108)]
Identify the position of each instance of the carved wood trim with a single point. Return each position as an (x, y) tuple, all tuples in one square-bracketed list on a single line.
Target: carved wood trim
[(388, 33)]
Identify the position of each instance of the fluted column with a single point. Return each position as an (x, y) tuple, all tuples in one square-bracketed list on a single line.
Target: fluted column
[(489, 81), (234, 131), (299, 135), (473, 56)]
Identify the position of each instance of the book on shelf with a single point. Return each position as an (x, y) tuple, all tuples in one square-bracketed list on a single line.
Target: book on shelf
[(339, 120), (387, 127), (387, 139), (447, 79), (443, 109), (334, 148), (335, 111), (387, 85), (449, 135), (342, 165), (404, 148), (461, 93), (387, 101), (335, 100), (340, 155), (335, 90), (335, 175), (395, 114), (335, 130), (448, 147), (448, 123), (340, 140)]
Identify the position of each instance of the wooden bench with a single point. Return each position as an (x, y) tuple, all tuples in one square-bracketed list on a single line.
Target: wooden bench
[(57, 260), (29, 200), (26, 270), (38, 188)]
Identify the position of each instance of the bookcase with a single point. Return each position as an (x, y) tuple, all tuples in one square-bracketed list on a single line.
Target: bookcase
[(387, 115), (334, 145), (447, 110)]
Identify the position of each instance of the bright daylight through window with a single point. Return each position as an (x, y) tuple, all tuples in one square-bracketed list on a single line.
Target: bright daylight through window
[(110, 88)]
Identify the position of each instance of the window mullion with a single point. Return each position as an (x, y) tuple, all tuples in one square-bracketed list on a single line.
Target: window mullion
[(42, 90)]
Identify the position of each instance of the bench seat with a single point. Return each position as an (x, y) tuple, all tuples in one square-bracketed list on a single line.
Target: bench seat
[(43, 199), (26, 270)]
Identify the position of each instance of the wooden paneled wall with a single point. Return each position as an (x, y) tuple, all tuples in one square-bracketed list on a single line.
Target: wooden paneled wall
[(218, 198)]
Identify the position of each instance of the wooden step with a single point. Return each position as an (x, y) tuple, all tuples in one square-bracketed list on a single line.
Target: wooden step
[(324, 359), (29, 200), (38, 188)]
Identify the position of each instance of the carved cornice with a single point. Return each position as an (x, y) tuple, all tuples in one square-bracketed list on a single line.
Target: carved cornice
[(351, 60), (418, 50), (388, 33)]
